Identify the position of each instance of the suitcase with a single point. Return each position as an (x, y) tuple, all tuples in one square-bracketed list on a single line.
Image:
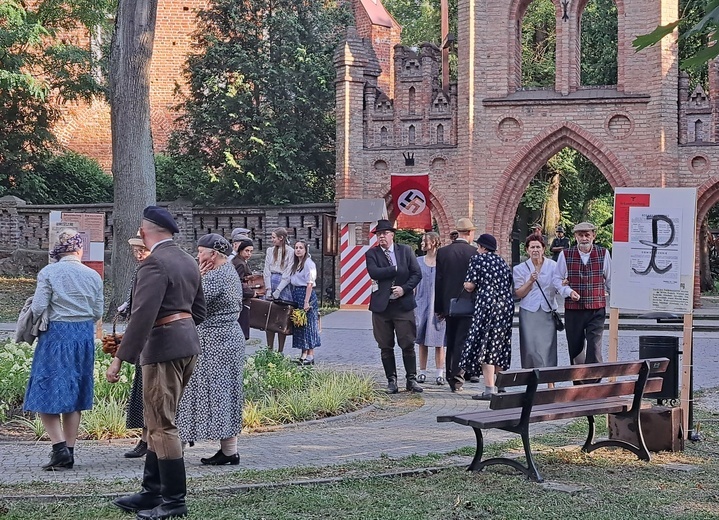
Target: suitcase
[(661, 428), (271, 316), (256, 282)]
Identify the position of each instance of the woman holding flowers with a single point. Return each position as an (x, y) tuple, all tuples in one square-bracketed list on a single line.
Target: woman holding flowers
[(303, 278)]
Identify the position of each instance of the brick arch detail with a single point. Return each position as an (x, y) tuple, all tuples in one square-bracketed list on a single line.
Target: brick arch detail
[(517, 9), (437, 206), (527, 162), (576, 9), (707, 197)]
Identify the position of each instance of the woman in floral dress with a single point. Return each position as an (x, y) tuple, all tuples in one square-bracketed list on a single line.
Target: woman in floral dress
[(489, 342), (211, 405)]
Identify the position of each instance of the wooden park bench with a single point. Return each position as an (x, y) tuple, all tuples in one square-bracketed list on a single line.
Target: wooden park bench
[(514, 411)]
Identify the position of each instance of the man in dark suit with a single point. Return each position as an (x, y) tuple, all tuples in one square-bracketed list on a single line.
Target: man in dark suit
[(452, 263), (395, 273), (167, 303)]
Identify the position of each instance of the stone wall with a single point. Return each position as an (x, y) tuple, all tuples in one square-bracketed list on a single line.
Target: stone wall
[(24, 229)]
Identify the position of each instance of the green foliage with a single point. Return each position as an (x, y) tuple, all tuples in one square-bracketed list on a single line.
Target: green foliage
[(268, 373), (15, 363), (599, 43), (183, 177), (260, 112), (409, 237), (72, 178), (698, 35), (38, 68), (539, 38)]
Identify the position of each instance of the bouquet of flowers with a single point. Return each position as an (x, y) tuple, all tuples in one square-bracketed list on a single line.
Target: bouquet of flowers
[(298, 318)]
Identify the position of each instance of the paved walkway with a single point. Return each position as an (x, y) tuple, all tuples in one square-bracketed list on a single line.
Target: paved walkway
[(347, 342)]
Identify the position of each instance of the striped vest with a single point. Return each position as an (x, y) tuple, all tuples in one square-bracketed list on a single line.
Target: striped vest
[(587, 280)]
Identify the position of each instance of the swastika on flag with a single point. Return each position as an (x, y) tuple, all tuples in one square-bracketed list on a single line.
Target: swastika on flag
[(412, 202)]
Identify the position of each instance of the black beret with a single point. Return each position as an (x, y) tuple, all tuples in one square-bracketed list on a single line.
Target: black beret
[(161, 217), (216, 242), (245, 242)]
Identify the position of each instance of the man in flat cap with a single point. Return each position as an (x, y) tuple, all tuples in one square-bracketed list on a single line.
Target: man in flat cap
[(167, 303), (452, 263), (582, 277), (395, 273)]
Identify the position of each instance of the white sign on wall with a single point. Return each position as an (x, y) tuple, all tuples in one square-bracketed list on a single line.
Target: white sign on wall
[(653, 249)]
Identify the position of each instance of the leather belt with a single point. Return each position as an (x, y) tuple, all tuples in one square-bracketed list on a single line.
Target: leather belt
[(173, 317)]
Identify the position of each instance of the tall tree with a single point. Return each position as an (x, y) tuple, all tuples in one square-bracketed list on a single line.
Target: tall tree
[(132, 155), (39, 68), (259, 115)]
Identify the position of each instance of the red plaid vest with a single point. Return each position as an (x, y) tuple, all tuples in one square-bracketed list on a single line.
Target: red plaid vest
[(587, 280)]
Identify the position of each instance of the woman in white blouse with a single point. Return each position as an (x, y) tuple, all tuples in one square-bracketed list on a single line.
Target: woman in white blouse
[(532, 282), (278, 267), (303, 280)]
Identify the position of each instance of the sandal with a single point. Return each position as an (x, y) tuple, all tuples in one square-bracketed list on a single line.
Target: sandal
[(421, 378), (440, 381)]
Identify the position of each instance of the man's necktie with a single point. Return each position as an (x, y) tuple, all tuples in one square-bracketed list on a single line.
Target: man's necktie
[(389, 257)]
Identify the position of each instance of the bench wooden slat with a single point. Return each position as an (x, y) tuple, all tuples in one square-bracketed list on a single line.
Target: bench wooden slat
[(509, 417), (509, 378), (573, 393)]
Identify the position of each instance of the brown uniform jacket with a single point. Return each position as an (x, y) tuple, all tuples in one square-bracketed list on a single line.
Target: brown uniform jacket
[(167, 282)]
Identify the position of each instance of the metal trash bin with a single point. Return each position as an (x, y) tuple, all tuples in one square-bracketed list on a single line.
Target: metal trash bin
[(668, 347)]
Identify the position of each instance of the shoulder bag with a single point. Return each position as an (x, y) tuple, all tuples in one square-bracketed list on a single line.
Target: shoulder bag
[(558, 323), (461, 307)]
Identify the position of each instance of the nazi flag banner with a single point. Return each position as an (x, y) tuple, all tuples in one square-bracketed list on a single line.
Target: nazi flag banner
[(410, 194)]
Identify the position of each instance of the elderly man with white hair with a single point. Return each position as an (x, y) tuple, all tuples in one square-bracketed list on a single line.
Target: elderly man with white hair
[(582, 277)]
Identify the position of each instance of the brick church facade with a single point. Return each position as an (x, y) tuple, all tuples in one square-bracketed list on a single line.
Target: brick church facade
[(484, 138)]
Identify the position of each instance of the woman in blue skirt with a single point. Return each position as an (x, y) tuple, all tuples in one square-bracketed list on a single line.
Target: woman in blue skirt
[(303, 279), (278, 264), (61, 377)]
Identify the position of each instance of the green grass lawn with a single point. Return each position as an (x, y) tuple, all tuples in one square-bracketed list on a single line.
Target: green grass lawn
[(607, 484)]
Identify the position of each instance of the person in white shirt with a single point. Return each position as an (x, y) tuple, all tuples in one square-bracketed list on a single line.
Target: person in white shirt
[(303, 280), (278, 267), (534, 284)]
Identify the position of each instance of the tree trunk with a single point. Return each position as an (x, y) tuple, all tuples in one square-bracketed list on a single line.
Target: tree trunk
[(551, 205), (706, 282), (133, 164)]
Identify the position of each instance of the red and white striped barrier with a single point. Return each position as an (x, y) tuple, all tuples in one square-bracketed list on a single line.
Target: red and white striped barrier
[(355, 284)]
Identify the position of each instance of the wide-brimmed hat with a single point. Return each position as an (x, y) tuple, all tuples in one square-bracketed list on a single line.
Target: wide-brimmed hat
[(383, 225), (487, 241), (216, 242), (464, 225), (584, 226), (161, 217), (136, 240)]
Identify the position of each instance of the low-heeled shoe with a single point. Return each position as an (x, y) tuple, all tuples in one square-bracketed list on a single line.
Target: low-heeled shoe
[(219, 458), (60, 459)]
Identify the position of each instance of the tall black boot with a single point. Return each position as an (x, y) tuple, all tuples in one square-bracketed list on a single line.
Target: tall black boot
[(149, 496), (390, 371), (173, 488), (410, 367)]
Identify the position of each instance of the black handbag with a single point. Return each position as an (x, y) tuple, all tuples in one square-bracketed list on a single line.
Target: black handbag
[(558, 323), (461, 307)]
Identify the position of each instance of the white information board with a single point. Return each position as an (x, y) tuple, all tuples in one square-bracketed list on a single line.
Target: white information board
[(653, 249)]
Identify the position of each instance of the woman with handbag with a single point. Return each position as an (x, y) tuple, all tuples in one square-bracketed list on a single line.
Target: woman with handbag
[(278, 267), (489, 342), (537, 307), (211, 405), (61, 378), (304, 275)]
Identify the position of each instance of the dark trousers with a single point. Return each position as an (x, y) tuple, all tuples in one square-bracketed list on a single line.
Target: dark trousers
[(584, 329), (457, 330), (395, 322), (162, 387)]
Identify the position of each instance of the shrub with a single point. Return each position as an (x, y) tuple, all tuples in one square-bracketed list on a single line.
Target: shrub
[(15, 363), (74, 179)]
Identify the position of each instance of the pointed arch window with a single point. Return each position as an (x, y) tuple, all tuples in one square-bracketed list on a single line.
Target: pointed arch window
[(440, 134), (411, 134), (411, 100), (383, 136)]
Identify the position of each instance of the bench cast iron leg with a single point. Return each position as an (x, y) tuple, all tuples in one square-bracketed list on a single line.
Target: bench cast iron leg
[(590, 435), (478, 452)]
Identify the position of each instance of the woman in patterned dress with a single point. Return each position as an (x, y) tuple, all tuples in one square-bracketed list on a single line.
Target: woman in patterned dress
[(211, 405), (489, 342), (303, 279), (430, 331), (61, 377), (135, 411), (278, 264)]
